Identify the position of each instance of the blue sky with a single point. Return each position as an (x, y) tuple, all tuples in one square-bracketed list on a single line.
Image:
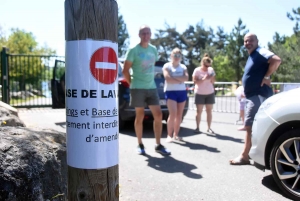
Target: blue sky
[(45, 19)]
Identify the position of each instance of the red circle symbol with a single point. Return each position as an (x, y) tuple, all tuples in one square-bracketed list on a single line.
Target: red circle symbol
[(104, 65)]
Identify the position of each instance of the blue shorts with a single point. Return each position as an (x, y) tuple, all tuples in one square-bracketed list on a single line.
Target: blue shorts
[(178, 96)]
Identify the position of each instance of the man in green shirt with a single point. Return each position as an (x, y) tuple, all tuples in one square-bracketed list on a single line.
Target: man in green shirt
[(141, 59)]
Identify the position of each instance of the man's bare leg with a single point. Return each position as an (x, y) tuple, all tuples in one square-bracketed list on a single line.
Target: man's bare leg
[(157, 123), (244, 157), (248, 143), (138, 123)]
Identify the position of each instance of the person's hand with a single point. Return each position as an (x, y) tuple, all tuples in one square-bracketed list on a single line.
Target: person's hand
[(205, 77), (266, 82)]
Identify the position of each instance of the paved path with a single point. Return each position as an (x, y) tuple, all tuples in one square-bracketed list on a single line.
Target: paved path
[(198, 168)]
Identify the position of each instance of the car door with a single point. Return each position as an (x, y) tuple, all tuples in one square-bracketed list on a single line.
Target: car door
[(58, 85)]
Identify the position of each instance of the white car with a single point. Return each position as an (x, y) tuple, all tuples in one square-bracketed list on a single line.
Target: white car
[(276, 140)]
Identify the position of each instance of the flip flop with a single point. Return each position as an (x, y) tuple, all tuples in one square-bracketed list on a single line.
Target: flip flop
[(239, 161), (210, 130)]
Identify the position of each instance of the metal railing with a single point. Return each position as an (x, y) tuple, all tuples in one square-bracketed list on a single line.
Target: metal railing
[(226, 101), (28, 80)]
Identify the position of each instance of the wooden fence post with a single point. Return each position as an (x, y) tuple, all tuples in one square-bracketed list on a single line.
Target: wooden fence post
[(91, 35)]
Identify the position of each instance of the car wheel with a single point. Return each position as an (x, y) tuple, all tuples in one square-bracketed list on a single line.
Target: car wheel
[(285, 163)]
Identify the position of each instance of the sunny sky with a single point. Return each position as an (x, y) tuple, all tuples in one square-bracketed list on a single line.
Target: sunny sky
[(45, 19)]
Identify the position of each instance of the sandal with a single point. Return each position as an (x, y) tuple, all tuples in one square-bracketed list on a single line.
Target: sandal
[(197, 130), (210, 130), (239, 161), (242, 128), (178, 138)]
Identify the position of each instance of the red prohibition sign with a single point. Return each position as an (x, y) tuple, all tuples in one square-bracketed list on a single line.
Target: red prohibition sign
[(104, 65)]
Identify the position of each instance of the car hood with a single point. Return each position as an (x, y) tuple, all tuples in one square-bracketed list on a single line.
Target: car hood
[(283, 107)]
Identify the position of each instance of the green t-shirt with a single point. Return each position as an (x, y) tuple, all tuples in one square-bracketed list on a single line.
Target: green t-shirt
[(143, 60)]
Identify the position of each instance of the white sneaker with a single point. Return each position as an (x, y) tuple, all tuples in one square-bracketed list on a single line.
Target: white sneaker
[(169, 139), (178, 138)]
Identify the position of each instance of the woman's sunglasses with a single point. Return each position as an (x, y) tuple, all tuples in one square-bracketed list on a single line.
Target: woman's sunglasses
[(177, 55)]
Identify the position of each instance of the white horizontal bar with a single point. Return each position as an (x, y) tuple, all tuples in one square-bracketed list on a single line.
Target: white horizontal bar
[(106, 65)]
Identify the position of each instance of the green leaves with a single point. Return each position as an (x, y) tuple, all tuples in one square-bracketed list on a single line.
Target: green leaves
[(123, 36), (227, 49), (288, 48), (197, 40)]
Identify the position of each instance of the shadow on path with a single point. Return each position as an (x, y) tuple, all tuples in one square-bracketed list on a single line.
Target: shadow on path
[(148, 130), (61, 124), (269, 182), (169, 164), (224, 137), (194, 146)]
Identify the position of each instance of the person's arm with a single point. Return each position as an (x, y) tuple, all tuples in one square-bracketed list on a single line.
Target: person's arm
[(169, 78), (125, 71), (184, 77), (198, 80), (212, 79), (212, 76), (274, 63), (205, 77)]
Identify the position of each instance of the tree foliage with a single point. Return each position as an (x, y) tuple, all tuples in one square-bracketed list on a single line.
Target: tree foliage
[(197, 40), (2, 37), (192, 42), (22, 42), (34, 69), (227, 49), (235, 50), (288, 48), (123, 36), (295, 16), (166, 40), (26, 66)]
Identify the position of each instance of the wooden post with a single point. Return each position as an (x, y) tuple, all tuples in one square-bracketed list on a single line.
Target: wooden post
[(92, 20)]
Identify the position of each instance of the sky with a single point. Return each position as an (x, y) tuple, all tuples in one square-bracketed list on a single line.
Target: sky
[(45, 19)]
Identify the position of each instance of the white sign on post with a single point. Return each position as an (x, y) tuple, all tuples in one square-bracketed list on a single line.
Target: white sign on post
[(92, 104)]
